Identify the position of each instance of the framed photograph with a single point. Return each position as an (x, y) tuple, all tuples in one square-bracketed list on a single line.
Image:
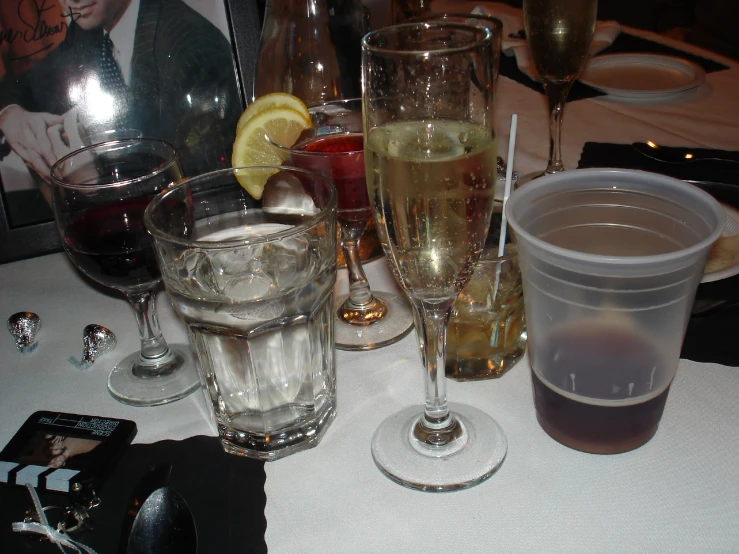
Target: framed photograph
[(74, 73)]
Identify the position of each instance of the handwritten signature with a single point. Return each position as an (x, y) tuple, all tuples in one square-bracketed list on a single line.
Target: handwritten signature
[(35, 29)]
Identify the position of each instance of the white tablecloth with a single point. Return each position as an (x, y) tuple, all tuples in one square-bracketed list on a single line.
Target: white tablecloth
[(678, 493)]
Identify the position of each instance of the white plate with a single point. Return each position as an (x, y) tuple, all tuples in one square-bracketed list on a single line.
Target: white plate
[(731, 229), (644, 76)]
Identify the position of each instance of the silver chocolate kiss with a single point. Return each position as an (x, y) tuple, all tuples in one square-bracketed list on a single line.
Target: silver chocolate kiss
[(24, 326)]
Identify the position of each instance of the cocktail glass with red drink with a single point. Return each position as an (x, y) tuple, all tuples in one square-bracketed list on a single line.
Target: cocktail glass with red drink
[(334, 148)]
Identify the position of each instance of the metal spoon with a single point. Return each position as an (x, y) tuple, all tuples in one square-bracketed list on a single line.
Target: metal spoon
[(656, 152), (164, 525)]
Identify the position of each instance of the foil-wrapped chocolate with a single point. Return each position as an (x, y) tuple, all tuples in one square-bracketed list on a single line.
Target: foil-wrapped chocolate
[(24, 326), (97, 341)]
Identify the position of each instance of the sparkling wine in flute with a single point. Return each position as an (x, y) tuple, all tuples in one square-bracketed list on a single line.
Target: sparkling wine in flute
[(434, 198), (559, 33)]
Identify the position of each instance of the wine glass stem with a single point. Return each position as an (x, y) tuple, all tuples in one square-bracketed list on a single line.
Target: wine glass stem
[(359, 290), (154, 349), (360, 295), (556, 96)]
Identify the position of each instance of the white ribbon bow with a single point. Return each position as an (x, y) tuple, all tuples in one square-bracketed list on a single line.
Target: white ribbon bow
[(56, 536)]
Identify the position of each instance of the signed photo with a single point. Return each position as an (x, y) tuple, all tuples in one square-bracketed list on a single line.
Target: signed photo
[(79, 72)]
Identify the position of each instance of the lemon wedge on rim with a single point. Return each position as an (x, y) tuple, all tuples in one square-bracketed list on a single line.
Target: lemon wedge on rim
[(270, 101), (282, 125)]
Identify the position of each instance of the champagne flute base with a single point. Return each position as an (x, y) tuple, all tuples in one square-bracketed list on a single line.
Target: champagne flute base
[(399, 459), (396, 324), (128, 388)]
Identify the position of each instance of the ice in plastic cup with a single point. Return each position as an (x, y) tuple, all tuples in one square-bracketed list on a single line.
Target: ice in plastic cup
[(610, 260)]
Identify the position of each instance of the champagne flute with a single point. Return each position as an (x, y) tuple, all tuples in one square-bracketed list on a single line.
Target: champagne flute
[(559, 33), (99, 196), (334, 148), (431, 161)]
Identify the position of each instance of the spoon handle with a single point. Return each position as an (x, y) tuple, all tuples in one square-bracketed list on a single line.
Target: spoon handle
[(676, 155)]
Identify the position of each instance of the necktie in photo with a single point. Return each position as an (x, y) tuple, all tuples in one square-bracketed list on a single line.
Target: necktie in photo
[(111, 78)]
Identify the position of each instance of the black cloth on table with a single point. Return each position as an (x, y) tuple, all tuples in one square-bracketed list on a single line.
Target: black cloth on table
[(224, 492)]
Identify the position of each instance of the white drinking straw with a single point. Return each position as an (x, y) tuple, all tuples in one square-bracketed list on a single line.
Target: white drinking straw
[(504, 221), (508, 178)]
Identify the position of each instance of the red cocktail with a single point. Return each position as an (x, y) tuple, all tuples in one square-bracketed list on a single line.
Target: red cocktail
[(336, 150)]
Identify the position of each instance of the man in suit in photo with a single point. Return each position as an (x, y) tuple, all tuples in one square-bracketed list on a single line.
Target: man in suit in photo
[(152, 68)]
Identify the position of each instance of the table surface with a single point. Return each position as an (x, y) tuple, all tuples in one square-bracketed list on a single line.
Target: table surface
[(677, 493)]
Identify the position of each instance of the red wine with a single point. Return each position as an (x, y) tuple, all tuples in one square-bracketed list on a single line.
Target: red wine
[(601, 399), (110, 244), (346, 168)]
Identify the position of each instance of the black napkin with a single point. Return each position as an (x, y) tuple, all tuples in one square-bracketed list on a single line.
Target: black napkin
[(224, 492), (710, 337), (624, 43)]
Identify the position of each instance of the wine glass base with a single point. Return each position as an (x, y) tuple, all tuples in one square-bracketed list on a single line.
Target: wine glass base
[(153, 391), (399, 460), (396, 324)]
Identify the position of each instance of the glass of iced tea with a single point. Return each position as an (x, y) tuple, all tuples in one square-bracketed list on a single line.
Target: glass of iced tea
[(334, 148), (487, 328)]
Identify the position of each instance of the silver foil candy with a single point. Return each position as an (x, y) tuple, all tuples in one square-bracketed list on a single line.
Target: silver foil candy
[(24, 326), (98, 340)]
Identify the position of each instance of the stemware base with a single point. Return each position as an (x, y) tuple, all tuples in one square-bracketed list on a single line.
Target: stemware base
[(396, 456), (129, 388), (396, 324)]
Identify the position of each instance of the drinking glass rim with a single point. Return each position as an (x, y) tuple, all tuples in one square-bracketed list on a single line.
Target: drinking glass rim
[(428, 24), (59, 181), (291, 150), (309, 221), (610, 260), (441, 16), (316, 154)]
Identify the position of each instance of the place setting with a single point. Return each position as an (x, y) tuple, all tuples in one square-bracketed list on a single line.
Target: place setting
[(533, 355)]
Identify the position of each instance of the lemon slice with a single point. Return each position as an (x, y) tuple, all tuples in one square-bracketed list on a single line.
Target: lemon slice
[(271, 101), (251, 147)]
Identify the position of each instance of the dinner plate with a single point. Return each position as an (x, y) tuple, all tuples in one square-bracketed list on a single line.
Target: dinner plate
[(641, 76), (730, 229)]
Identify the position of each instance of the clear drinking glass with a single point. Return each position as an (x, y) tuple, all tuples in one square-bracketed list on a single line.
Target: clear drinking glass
[(431, 163), (253, 281), (335, 148), (99, 197), (559, 33)]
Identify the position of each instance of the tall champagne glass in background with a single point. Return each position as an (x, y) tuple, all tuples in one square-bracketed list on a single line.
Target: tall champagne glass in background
[(430, 153), (559, 33), (99, 196), (334, 148)]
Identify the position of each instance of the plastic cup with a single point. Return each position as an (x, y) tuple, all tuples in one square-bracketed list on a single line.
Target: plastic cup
[(610, 261)]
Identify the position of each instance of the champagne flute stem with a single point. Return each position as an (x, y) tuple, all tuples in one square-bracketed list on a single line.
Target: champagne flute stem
[(556, 96), (154, 349), (437, 427)]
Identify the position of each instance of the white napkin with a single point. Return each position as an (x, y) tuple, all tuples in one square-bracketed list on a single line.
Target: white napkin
[(604, 35)]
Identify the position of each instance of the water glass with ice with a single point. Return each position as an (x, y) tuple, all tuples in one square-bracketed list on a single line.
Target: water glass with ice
[(254, 285)]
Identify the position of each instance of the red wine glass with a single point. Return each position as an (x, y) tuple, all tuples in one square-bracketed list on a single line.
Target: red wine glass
[(99, 196)]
